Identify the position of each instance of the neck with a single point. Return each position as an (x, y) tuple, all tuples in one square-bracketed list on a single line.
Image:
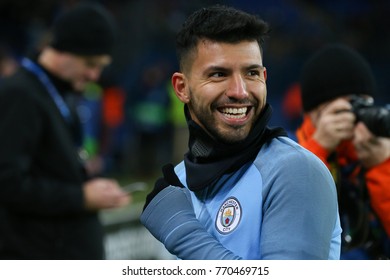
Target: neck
[(51, 62), (208, 159), (204, 147)]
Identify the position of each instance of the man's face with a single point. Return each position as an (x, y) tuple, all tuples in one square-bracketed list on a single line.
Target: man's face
[(226, 88), (79, 70)]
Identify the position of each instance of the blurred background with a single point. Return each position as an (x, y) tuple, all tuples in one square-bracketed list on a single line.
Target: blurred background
[(132, 122)]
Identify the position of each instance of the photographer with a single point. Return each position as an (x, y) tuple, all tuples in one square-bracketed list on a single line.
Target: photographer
[(336, 81)]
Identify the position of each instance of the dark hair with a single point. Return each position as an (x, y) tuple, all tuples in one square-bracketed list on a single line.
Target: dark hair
[(218, 23)]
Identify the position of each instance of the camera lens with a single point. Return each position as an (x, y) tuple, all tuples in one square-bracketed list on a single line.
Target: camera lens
[(377, 119)]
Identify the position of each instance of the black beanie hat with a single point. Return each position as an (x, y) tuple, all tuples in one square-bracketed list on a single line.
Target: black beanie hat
[(86, 29), (334, 71)]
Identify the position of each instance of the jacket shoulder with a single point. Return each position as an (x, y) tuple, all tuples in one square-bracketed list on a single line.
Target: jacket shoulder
[(22, 82)]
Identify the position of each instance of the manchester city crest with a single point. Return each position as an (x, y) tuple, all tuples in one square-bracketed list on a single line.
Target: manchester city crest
[(229, 216)]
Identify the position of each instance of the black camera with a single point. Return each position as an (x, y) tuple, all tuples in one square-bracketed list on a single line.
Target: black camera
[(377, 119)]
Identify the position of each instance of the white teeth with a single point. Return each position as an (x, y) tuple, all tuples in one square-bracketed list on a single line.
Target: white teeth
[(234, 110), (235, 113)]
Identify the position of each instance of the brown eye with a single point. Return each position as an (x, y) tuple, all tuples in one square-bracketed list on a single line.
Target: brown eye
[(254, 73), (217, 74)]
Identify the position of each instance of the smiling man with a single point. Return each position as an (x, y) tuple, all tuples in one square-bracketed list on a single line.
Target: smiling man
[(243, 190), (224, 89)]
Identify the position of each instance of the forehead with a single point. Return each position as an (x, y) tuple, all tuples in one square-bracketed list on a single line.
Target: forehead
[(226, 54)]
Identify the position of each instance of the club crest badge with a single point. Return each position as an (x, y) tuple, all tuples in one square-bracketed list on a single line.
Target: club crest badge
[(228, 216)]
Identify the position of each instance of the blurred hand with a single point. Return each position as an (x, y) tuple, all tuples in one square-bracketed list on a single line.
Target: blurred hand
[(371, 150), (101, 193), (334, 123), (94, 165)]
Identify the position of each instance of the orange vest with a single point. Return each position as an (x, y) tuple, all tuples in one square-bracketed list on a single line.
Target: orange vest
[(377, 177)]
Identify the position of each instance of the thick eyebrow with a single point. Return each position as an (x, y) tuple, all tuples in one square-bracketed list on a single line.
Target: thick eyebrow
[(214, 68), (252, 66)]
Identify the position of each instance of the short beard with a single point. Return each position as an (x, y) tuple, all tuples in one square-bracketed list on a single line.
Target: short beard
[(209, 124)]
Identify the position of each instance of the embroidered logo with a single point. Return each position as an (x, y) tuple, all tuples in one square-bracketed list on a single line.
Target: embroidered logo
[(229, 216)]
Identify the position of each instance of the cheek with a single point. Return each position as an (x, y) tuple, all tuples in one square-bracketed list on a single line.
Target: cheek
[(258, 90), (261, 96), (264, 94), (75, 69), (68, 72), (203, 94)]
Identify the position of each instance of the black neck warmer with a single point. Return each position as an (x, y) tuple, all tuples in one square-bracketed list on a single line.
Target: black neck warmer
[(208, 159)]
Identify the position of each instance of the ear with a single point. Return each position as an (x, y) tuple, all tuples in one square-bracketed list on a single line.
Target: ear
[(265, 74), (180, 87)]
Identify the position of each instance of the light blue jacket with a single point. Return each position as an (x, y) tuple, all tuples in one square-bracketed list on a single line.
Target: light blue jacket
[(281, 206)]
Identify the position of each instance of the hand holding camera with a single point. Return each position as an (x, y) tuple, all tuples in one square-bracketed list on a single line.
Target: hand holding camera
[(357, 119), (334, 123), (376, 118)]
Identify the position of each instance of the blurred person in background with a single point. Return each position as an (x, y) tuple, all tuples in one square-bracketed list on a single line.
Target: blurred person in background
[(8, 63), (335, 82), (48, 204), (244, 190)]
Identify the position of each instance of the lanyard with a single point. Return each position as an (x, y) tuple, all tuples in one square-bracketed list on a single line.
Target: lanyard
[(41, 75)]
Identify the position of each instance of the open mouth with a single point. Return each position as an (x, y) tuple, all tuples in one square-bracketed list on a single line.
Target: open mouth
[(235, 113)]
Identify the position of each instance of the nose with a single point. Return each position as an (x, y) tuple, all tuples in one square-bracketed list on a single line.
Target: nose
[(237, 88)]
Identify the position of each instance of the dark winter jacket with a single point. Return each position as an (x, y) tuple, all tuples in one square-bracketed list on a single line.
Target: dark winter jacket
[(42, 213)]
